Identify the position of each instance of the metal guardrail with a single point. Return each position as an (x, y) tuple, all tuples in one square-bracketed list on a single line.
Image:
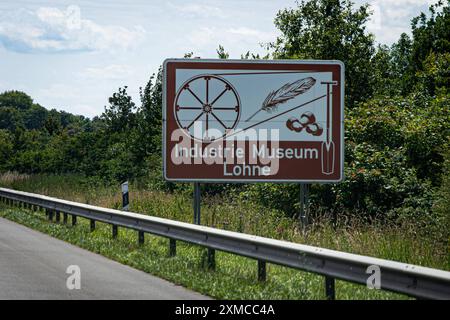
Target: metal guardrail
[(412, 280)]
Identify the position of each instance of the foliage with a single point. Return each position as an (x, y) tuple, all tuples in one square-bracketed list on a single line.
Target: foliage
[(441, 208), (221, 53), (120, 116), (430, 34), (16, 99), (330, 30)]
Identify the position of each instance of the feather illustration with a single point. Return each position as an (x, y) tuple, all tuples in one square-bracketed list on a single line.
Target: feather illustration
[(285, 93)]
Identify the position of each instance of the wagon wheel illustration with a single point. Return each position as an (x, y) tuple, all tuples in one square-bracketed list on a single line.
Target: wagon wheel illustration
[(210, 101)]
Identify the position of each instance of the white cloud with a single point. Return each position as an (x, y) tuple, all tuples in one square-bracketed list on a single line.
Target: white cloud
[(391, 18), (55, 30), (407, 2), (194, 10), (59, 91), (241, 38), (113, 72)]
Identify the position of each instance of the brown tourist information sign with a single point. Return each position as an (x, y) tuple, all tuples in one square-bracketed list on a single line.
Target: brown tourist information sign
[(253, 120)]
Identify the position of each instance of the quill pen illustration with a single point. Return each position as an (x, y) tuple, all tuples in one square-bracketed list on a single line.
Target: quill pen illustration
[(285, 93)]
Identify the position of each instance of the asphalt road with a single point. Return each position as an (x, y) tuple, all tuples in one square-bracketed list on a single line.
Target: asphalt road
[(33, 266)]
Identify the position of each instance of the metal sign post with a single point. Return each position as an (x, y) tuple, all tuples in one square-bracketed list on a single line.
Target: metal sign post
[(197, 199), (304, 204)]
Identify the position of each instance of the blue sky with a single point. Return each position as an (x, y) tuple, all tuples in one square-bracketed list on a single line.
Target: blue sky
[(72, 55)]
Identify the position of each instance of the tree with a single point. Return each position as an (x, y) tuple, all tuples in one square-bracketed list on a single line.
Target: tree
[(10, 119), (119, 115), (150, 115), (53, 122), (430, 34), (34, 117), (400, 63), (6, 149), (15, 99), (435, 76), (330, 29), (222, 54), (383, 72)]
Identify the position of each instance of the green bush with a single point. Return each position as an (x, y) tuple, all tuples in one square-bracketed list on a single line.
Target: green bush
[(393, 161)]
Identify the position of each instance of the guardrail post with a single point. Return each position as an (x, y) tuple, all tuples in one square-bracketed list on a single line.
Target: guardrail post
[(57, 216), (261, 270), (329, 288), (92, 225), (141, 238), (172, 247), (50, 214), (115, 231), (74, 219), (211, 263), (65, 217)]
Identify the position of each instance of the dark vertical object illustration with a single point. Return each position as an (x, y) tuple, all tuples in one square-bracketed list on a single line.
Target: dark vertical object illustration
[(327, 148)]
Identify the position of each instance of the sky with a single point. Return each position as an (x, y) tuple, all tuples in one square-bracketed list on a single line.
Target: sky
[(72, 55)]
